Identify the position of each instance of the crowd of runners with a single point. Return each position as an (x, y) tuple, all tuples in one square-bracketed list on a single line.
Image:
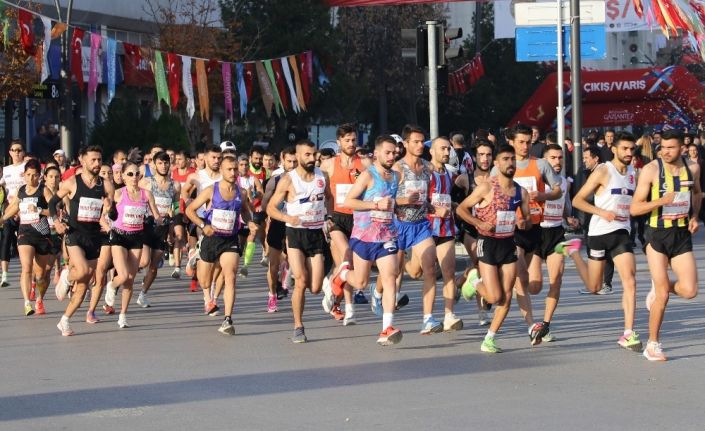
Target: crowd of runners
[(349, 225)]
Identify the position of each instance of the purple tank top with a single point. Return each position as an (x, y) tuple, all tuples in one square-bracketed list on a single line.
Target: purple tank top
[(223, 214)]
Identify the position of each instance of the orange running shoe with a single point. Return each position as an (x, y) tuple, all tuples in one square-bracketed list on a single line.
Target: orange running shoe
[(337, 313), (389, 336), (194, 285), (39, 308)]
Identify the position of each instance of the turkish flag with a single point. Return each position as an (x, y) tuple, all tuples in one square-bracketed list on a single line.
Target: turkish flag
[(211, 66), (281, 85), (173, 62), (77, 56), (24, 20), (249, 75), (305, 77)]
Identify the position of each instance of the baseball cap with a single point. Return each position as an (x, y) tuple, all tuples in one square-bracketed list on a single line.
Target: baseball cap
[(60, 152), (227, 145)]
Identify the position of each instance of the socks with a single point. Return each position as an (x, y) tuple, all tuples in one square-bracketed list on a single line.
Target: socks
[(377, 295), (490, 334), (64, 319), (387, 320), (349, 309), (627, 333), (249, 252), (344, 274), (427, 316)]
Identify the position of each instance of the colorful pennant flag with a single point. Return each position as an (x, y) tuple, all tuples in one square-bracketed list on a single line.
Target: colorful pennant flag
[(24, 20), (228, 89), (160, 79), (45, 48), (77, 56), (241, 89), (173, 64), (187, 86), (265, 86), (93, 66), (202, 83), (111, 60)]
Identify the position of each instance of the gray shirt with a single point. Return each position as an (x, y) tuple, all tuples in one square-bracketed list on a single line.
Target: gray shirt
[(547, 173)]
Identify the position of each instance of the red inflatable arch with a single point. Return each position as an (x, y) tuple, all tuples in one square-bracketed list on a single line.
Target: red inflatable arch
[(622, 98)]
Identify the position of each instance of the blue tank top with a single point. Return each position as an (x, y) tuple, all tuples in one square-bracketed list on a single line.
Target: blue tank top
[(375, 225), (223, 215)]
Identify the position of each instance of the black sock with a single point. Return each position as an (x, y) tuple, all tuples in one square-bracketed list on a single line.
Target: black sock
[(545, 324)]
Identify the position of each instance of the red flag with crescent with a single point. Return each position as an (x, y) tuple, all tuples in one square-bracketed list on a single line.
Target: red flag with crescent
[(249, 76), (77, 56), (173, 62), (24, 19)]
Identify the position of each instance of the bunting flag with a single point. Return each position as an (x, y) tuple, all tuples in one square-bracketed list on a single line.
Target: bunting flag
[(160, 80), (241, 89), (308, 64), (249, 78), (265, 86), (275, 92), (173, 64), (111, 60), (45, 48), (24, 20), (281, 84), (297, 79), (292, 91), (460, 81), (202, 82), (58, 29), (228, 90), (76, 56), (187, 86), (5, 30), (96, 39), (323, 80), (305, 77), (55, 62)]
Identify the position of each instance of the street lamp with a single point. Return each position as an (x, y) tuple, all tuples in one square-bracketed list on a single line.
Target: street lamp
[(66, 105)]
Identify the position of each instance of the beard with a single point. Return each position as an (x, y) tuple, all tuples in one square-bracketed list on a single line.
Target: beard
[(257, 165), (309, 167)]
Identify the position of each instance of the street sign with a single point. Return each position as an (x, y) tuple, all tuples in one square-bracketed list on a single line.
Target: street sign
[(47, 90), (540, 43), (544, 14)]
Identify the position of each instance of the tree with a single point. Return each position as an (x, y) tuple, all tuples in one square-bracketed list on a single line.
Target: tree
[(17, 69)]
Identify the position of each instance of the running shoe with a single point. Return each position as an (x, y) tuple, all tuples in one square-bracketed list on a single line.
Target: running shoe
[(549, 338), (483, 318), (176, 273), (272, 304), (489, 346), (349, 320), (389, 336), (62, 287), (110, 292), (171, 259), (122, 321), (107, 309), (281, 292), (651, 296), (360, 298), (194, 286), (375, 303), (243, 272), (299, 336), (402, 302), (160, 264), (605, 290), (337, 313), (469, 288), (566, 248), (39, 309), (142, 300), (328, 299), (227, 327), (64, 328), (537, 332), (632, 342), (3, 280), (431, 326), (265, 261), (210, 308), (193, 257), (654, 352), (28, 311), (33, 291), (452, 323), (91, 317), (337, 283)]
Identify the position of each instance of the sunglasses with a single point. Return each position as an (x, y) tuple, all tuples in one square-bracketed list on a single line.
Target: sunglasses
[(16, 150), (132, 174)]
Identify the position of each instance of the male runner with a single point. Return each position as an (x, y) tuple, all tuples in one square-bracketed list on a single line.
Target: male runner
[(255, 190), (669, 190), (12, 179), (308, 200), (180, 174), (613, 184)]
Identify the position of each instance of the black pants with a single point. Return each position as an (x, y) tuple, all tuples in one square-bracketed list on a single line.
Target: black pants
[(9, 240)]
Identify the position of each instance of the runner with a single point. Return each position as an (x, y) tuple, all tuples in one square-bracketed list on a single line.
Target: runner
[(496, 203), (373, 235), (89, 201), (12, 179), (180, 174), (223, 202), (613, 184), (253, 186), (342, 171), (308, 200), (669, 190), (33, 235), (166, 194)]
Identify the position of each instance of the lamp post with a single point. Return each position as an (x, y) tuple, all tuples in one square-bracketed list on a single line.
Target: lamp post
[(66, 104)]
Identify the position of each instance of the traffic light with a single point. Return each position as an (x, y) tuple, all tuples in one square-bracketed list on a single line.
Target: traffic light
[(419, 38), (445, 52)]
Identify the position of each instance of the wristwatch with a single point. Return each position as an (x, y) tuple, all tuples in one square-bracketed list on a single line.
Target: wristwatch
[(202, 225)]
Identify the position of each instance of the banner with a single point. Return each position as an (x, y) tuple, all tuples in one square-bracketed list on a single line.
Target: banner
[(77, 56), (172, 64), (160, 80), (297, 80), (202, 83), (281, 85), (111, 60), (24, 20), (292, 91), (227, 90), (138, 72), (46, 44), (265, 86), (93, 66), (187, 85), (241, 89)]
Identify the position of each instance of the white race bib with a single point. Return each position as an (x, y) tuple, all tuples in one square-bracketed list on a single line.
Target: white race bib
[(313, 214), (506, 221), (529, 183), (679, 208), (341, 192), (133, 217), (89, 210), (622, 204), (419, 187), (223, 221), (29, 213), (163, 204), (441, 200)]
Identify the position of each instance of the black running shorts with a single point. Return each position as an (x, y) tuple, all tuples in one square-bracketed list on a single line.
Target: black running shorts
[(130, 242), (276, 234), (342, 223), (671, 241), (496, 251), (529, 240), (610, 244), (88, 242), (310, 241), (42, 244), (212, 247), (550, 238)]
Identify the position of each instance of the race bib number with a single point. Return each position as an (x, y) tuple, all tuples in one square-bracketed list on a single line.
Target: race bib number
[(163, 204), (441, 200), (529, 183), (133, 217), (679, 208), (419, 187), (89, 210), (506, 221), (622, 208), (341, 192), (223, 221), (382, 216), (29, 213), (313, 214)]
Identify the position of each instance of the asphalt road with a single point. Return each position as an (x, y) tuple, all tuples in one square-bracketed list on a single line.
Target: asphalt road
[(172, 370)]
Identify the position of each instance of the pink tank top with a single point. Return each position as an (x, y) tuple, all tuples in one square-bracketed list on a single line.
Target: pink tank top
[(131, 213)]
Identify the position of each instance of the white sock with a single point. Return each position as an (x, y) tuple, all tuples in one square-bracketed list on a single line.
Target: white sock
[(64, 319), (344, 274), (349, 309), (26, 303), (490, 334), (377, 295), (387, 319), (449, 316), (427, 316), (627, 332)]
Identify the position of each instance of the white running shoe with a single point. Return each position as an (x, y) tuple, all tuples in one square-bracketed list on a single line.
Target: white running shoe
[(171, 259), (349, 320), (3, 280), (62, 287), (328, 299), (122, 321), (65, 328), (110, 292), (143, 301), (265, 261), (176, 274)]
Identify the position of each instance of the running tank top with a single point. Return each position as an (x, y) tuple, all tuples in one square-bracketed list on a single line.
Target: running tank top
[(342, 180), (440, 196), (204, 181), (309, 203), (131, 214), (616, 197), (147, 171), (181, 178), (376, 225), (164, 199), (410, 184), (31, 221), (553, 210), (501, 212), (531, 179), (677, 213), (223, 215), (86, 206)]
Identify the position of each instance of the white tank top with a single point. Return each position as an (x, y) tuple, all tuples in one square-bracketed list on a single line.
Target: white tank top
[(204, 181), (309, 203), (616, 197), (553, 210)]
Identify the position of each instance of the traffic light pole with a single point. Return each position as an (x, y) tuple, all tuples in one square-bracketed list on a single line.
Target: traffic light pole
[(576, 86), (560, 114), (432, 79)]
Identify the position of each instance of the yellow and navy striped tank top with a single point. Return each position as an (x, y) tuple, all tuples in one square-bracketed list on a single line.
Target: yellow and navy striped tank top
[(677, 213)]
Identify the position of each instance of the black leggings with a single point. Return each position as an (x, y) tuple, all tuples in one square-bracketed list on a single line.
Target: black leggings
[(9, 240)]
